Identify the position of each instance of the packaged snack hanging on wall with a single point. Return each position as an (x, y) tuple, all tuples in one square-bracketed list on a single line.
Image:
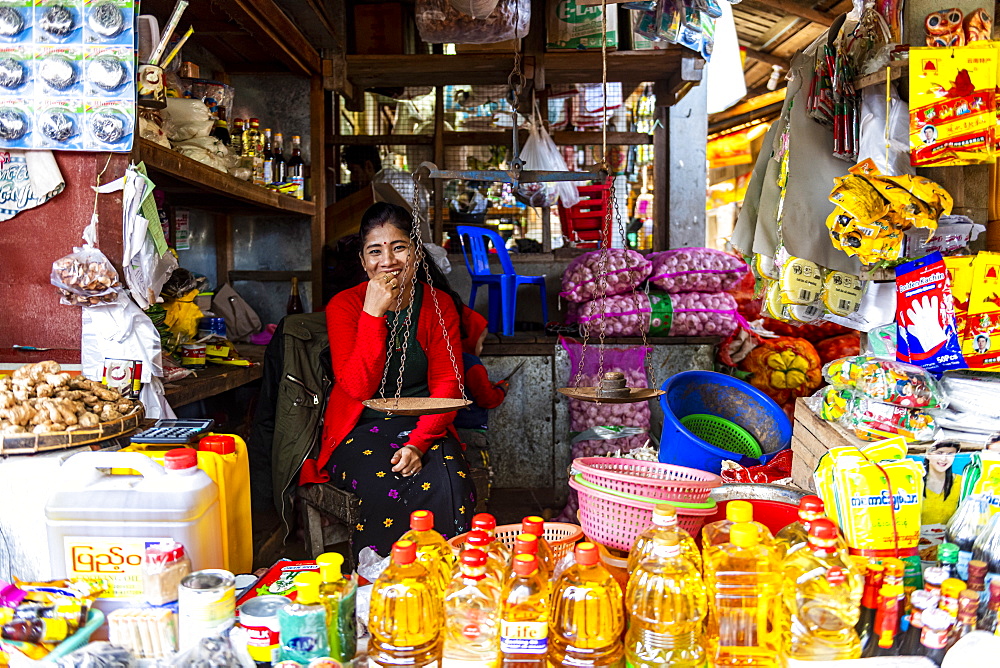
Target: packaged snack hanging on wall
[(980, 327), (886, 381), (925, 316), (952, 105), (842, 293)]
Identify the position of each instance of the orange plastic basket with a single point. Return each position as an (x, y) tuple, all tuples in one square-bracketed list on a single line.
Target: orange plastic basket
[(560, 536)]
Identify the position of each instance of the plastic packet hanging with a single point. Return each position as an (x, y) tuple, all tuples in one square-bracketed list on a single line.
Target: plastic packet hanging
[(85, 277), (109, 124), (16, 21), (60, 71), (925, 316), (16, 123), (109, 22), (57, 21), (842, 293), (800, 281), (59, 125), (536, 156), (17, 67), (887, 381), (953, 234)]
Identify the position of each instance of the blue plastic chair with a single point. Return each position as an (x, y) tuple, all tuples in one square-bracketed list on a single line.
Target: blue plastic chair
[(503, 286)]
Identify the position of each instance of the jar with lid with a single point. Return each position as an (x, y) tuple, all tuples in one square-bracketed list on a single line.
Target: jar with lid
[(163, 567)]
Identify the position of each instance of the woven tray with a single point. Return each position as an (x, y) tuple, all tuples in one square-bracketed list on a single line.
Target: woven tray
[(29, 444), (636, 394)]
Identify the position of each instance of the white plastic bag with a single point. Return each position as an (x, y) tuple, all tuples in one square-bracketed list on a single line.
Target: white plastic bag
[(872, 142), (541, 153)]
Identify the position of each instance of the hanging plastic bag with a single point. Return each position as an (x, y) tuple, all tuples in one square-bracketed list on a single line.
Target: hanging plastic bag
[(536, 157), (86, 276), (894, 160), (439, 22)]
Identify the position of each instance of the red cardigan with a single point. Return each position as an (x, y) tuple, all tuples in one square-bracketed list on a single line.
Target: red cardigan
[(358, 351)]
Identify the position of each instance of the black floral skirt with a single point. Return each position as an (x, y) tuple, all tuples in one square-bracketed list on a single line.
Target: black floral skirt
[(362, 466)]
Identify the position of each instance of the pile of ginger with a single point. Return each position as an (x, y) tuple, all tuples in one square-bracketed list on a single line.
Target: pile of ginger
[(41, 398)]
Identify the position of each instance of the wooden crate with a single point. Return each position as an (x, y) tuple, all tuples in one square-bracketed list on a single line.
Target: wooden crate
[(812, 436)]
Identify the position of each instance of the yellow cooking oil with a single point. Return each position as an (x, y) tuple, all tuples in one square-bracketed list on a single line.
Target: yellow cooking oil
[(587, 618), (717, 533), (406, 613), (667, 603), (822, 597), (524, 614), (433, 551), (664, 523), (743, 579)]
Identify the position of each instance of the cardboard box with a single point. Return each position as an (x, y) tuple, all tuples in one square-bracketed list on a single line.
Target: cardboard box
[(381, 29), (574, 26)]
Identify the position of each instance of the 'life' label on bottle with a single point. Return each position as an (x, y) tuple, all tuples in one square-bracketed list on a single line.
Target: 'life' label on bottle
[(524, 637)]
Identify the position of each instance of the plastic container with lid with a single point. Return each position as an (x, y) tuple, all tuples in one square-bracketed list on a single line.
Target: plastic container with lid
[(224, 458), (163, 568), (100, 523)]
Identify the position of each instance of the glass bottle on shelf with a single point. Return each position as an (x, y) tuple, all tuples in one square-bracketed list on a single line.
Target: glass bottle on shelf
[(869, 605), (267, 157), (252, 151), (934, 637), (221, 129), (947, 558), (279, 172), (296, 168), (988, 621), (968, 603), (294, 300), (236, 137), (965, 526)]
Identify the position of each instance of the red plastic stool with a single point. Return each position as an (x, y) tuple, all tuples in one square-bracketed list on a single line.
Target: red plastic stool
[(587, 222)]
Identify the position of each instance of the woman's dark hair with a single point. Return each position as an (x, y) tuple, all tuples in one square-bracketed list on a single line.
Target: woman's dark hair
[(949, 476), (384, 213)]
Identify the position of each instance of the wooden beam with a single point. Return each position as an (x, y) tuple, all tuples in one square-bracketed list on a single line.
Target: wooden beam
[(766, 58), (275, 33), (319, 100), (795, 9), (335, 79), (223, 248), (661, 180), (751, 105), (494, 138)]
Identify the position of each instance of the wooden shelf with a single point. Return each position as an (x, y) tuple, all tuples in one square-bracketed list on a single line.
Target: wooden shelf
[(492, 69), (216, 379), (897, 70), (162, 160)]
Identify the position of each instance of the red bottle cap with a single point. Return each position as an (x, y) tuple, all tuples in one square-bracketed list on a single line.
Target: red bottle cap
[(164, 552), (586, 554), (525, 564), (473, 558), (421, 520), (526, 543), (484, 521), (823, 529), (220, 444), (180, 459), (478, 538), (404, 552), (812, 504), (534, 525)]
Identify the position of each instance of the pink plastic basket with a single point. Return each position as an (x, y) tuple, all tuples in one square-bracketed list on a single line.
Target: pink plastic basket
[(616, 521), (653, 480)]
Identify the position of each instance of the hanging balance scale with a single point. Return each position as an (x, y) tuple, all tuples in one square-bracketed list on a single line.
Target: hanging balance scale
[(610, 387)]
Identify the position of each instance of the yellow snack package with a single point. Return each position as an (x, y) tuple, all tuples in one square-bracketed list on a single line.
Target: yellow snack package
[(878, 503), (856, 196), (982, 476), (842, 293), (772, 300), (801, 281)]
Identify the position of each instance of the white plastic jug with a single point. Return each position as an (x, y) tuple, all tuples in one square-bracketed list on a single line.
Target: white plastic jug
[(100, 523)]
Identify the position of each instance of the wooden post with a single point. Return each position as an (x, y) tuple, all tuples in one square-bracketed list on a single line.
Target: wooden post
[(439, 159), (223, 248), (318, 103), (546, 229), (661, 180)]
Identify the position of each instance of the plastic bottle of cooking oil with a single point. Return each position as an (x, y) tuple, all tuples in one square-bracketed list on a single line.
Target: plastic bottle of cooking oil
[(526, 543), (587, 617), (795, 536), (743, 578), (535, 525), (666, 601), (524, 615), (405, 614), (664, 523), (433, 551), (472, 616), (480, 540), (821, 590), (488, 523), (717, 533)]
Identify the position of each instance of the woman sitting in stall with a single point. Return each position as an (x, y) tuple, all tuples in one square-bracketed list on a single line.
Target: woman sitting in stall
[(942, 488), (395, 464)]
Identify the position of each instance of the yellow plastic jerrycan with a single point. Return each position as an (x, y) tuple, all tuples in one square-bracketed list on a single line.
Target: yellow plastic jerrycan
[(224, 458)]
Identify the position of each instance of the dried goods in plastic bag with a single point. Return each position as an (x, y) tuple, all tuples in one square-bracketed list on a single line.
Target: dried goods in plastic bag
[(85, 277), (610, 272), (887, 381), (439, 22), (696, 270)]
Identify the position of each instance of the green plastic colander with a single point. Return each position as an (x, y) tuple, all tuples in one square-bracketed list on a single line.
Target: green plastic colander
[(723, 434)]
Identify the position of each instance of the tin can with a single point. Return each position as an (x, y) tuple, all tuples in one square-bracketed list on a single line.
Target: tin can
[(193, 355), (259, 616), (206, 605)]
